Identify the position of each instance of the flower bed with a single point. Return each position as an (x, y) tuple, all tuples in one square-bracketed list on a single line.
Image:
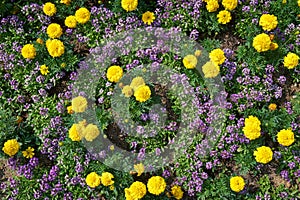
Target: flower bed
[(145, 99)]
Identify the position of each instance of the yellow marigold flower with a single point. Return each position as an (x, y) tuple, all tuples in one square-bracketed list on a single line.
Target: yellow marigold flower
[(262, 42), (91, 132), (73, 133), (11, 147), (40, 41), (190, 61), (106, 179), (137, 82), (112, 147), (80, 128), (127, 91), (114, 73), (67, 2), (28, 153), (284, 1), (156, 185), (291, 60), (136, 191), (224, 17), (230, 4), (55, 47), (217, 56), (210, 70), (237, 183), (148, 17), (285, 137), (44, 70), (54, 30), (272, 106), (198, 53), (212, 5), (272, 36), (70, 21), (93, 180), (49, 9), (263, 154), (177, 192), (252, 128), (273, 46), (268, 22), (28, 51), (143, 93), (79, 104), (112, 187), (129, 5), (139, 168), (69, 110), (299, 3), (82, 15)]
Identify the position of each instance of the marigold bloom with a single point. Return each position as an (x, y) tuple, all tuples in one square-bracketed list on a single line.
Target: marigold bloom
[(79, 104), (230, 4), (73, 133), (148, 17), (156, 185), (28, 51), (210, 70), (272, 106), (177, 192), (273, 46), (198, 53), (285, 137), (28, 153), (67, 2), (69, 110), (80, 128), (127, 91), (40, 41), (212, 5), (291, 60), (106, 179), (55, 47), (91, 132), (82, 15), (129, 5), (262, 42), (268, 22), (93, 180), (237, 183), (11, 147), (49, 9), (44, 70), (71, 21), (224, 17), (136, 191), (139, 168), (252, 128), (114, 73), (263, 154), (143, 93), (54, 30), (217, 56), (137, 82), (190, 61)]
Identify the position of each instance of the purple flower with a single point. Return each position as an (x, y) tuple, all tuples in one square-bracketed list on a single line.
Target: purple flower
[(44, 111)]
